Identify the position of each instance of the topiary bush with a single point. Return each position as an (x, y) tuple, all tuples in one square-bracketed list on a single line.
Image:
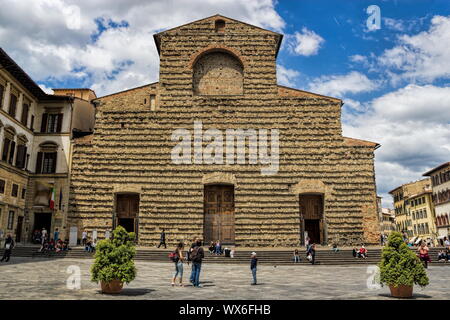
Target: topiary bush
[(114, 258), (400, 265)]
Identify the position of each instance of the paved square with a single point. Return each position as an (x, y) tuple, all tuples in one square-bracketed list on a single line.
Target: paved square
[(27, 278)]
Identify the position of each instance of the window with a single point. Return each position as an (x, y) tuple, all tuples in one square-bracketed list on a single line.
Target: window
[(25, 110), (15, 190), (10, 220), (152, 102), (32, 123), (21, 156), (2, 186), (46, 162), (2, 93), (219, 25), (12, 106), (8, 150), (24, 191), (51, 122)]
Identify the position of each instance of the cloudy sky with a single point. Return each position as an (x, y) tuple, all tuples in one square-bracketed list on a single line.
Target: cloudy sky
[(394, 79)]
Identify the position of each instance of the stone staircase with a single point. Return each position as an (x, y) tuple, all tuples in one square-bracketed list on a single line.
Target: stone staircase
[(242, 256)]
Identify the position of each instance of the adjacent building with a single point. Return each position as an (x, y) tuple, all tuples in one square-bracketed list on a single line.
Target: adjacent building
[(440, 180), (387, 221), (36, 134), (414, 210), (157, 159)]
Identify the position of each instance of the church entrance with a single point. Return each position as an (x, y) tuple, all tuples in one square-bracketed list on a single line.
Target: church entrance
[(311, 219), (127, 209), (219, 214)]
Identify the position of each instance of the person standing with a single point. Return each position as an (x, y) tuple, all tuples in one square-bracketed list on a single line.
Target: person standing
[(162, 239), (9, 245), (253, 264), (423, 253), (189, 258), (84, 238), (312, 253), (179, 259), (56, 235), (296, 257), (43, 238), (197, 255)]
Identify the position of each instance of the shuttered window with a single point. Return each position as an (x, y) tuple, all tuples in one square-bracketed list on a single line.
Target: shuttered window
[(14, 190), (51, 122), (25, 110), (2, 93), (21, 156), (12, 106), (12, 150), (46, 162), (2, 186)]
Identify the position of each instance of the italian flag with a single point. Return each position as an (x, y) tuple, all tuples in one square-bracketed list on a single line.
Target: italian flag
[(52, 199)]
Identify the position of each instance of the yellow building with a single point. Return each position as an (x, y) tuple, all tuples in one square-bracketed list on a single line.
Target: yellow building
[(387, 221), (414, 210)]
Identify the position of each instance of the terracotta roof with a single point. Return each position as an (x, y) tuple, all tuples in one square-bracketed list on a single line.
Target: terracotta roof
[(445, 164), (359, 142)]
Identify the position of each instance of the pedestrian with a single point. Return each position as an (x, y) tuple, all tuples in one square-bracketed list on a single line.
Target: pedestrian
[(9, 245), (43, 239), (307, 239), (84, 238), (423, 254), (253, 264), (335, 248), (446, 242), (56, 235), (194, 243), (178, 260), (197, 255), (312, 253), (162, 239), (296, 256)]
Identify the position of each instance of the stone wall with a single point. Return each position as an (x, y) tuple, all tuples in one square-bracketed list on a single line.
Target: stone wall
[(131, 149)]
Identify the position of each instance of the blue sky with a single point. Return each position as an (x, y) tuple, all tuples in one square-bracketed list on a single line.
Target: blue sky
[(394, 81)]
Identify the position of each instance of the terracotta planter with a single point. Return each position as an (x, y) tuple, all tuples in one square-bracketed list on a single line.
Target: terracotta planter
[(401, 291), (114, 286)]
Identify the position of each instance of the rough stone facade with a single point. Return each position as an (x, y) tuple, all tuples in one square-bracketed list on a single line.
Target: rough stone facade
[(130, 150)]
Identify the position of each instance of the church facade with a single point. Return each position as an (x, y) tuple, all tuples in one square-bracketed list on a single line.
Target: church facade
[(218, 149)]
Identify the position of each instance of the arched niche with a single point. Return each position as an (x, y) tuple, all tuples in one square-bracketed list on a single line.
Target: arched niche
[(218, 72)]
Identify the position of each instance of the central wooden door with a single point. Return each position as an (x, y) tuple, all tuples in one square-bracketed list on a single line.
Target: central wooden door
[(311, 215), (219, 214), (127, 211)]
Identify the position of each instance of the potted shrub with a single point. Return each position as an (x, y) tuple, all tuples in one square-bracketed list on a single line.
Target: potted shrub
[(400, 268), (114, 263)]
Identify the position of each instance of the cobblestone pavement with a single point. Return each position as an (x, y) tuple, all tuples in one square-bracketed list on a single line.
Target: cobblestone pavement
[(27, 278)]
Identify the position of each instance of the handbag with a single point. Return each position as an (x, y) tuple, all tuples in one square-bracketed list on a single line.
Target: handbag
[(8, 246)]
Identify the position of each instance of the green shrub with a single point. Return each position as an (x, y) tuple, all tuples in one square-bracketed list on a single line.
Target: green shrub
[(400, 265), (114, 258)]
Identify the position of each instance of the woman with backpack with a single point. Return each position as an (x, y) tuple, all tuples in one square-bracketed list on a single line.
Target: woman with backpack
[(178, 259)]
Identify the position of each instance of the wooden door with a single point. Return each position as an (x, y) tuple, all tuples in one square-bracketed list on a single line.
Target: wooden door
[(219, 214), (127, 211), (19, 229), (311, 215)]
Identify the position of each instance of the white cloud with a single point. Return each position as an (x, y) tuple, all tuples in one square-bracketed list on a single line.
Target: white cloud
[(420, 57), (46, 89), (42, 37), (285, 76), (305, 43), (412, 125), (338, 85), (394, 24)]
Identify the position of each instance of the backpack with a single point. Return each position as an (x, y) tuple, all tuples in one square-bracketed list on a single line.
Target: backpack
[(194, 254), (173, 256)]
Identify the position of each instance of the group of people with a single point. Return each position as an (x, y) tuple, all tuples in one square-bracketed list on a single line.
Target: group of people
[(51, 244), (215, 248), (310, 254), (360, 253), (195, 255), (88, 243)]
